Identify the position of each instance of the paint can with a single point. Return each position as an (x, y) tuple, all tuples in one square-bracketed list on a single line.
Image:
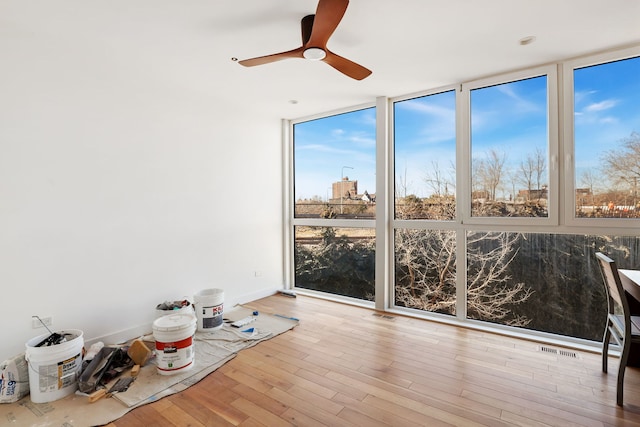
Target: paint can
[(174, 343), (209, 306)]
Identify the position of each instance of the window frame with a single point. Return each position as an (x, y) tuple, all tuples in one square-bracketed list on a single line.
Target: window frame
[(454, 225), (568, 128), (289, 204), (551, 72), (392, 175)]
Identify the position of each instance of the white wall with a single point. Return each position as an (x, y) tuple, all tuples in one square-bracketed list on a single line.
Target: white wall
[(118, 192)]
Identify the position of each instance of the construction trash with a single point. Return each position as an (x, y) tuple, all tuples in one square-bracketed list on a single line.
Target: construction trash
[(14, 379)]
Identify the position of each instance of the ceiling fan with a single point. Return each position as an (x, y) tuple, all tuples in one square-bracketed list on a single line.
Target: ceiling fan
[(316, 30)]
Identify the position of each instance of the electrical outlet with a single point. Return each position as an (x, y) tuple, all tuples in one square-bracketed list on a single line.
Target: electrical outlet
[(37, 323)]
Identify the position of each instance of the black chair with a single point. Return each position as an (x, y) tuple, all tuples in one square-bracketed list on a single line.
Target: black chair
[(621, 326)]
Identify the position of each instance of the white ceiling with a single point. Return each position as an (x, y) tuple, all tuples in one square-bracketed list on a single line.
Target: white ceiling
[(185, 47)]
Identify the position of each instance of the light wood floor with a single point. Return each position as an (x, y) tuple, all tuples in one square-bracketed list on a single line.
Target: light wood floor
[(349, 366)]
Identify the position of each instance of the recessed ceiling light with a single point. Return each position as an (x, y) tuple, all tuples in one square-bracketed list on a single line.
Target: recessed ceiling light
[(527, 40), (293, 101)]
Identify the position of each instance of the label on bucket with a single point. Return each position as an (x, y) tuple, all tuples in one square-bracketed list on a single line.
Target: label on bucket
[(58, 376), (212, 316), (174, 355)]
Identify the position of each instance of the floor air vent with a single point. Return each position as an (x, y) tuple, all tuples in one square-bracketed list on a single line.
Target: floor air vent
[(564, 353)]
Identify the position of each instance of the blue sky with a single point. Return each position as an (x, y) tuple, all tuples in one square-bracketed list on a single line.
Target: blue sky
[(510, 118), (425, 139), (607, 110), (327, 147)]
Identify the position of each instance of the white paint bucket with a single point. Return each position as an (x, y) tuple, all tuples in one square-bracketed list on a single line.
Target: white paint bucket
[(174, 343), (54, 370), (209, 308)]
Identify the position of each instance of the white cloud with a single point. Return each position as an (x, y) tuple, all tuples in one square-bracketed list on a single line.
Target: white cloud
[(583, 95), (521, 104), (609, 120), (321, 148), (430, 109), (601, 106), (362, 141), (438, 123)]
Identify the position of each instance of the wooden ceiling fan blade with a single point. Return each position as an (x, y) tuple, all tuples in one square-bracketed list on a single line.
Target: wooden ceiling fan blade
[(306, 26), (346, 67), (295, 53), (328, 15)]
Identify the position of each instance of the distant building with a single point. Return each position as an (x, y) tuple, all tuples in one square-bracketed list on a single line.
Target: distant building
[(344, 189), (480, 195), (583, 192), (536, 194)]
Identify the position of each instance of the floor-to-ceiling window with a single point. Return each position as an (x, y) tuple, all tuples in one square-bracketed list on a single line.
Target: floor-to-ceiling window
[(510, 161), (424, 240), (334, 187), (499, 192)]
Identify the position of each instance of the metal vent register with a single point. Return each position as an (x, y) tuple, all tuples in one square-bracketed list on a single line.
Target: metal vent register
[(564, 353)]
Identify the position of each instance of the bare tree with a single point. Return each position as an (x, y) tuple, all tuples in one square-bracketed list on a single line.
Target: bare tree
[(437, 180), (622, 165), (401, 185), (490, 291), (426, 274), (425, 270), (527, 168), (533, 169), (589, 180), (540, 162), (478, 176), (493, 171), (513, 177)]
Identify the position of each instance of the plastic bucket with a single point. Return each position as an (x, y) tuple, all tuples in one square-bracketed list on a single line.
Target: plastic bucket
[(174, 343), (54, 370), (209, 308)]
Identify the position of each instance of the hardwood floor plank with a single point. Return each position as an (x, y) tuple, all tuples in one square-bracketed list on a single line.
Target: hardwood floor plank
[(331, 385), (217, 400), (546, 410), (260, 399), (256, 412), (297, 418), (387, 412), (235, 372), (203, 413), (288, 359), (518, 420), (178, 416), (309, 408), (146, 415), (361, 419), (272, 376)]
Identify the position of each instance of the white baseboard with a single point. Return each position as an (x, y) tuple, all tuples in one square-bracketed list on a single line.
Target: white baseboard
[(243, 299)]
